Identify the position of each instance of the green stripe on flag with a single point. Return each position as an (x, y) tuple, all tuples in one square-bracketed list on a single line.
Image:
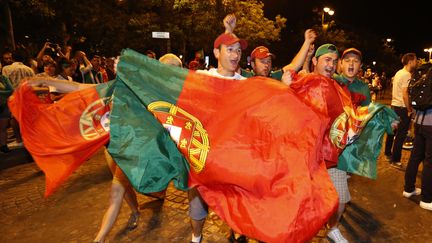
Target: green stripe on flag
[(156, 82), (139, 144), (105, 89)]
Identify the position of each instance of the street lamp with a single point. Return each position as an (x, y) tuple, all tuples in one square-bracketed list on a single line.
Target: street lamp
[(430, 51), (329, 12)]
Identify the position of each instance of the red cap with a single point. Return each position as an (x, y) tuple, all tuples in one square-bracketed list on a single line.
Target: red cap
[(229, 39), (352, 50), (261, 52)]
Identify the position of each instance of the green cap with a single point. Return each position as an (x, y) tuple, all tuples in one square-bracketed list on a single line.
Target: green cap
[(326, 48)]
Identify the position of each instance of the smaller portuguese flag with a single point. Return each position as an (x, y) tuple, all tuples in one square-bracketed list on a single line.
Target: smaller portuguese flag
[(61, 136)]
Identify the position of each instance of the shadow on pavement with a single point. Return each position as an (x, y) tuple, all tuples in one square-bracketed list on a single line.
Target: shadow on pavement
[(361, 224), (14, 157), (16, 183)]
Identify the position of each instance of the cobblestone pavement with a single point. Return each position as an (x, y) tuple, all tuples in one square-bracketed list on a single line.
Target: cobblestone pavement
[(377, 212)]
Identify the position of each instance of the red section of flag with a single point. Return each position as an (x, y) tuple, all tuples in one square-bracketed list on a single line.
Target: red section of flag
[(326, 97), (264, 174), (60, 136)]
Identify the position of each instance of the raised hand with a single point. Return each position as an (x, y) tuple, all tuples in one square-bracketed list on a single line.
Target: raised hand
[(229, 23), (310, 35)]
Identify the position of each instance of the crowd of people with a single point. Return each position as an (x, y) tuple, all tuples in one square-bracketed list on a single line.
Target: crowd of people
[(345, 68)]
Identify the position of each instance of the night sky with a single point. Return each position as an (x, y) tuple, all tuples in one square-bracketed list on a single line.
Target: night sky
[(408, 24)]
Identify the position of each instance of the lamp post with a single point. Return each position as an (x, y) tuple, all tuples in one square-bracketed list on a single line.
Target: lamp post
[(430, 51), (329, 12)]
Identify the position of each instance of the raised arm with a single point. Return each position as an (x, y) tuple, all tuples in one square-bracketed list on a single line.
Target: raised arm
[(61, 86), (229, 23), (300, 57), (42, 53), (306, 64)]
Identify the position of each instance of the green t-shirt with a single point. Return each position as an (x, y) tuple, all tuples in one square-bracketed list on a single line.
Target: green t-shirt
[(356, 86), (273, 74)]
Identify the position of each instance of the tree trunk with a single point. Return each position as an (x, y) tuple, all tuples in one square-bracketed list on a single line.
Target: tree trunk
[(9, 27)]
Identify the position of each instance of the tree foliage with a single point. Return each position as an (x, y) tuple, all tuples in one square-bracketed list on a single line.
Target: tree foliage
[(108, 26)]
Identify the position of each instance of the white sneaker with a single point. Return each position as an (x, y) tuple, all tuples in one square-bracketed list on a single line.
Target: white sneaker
[(336, 236), (15, 144), (416, 192), (427, 206)]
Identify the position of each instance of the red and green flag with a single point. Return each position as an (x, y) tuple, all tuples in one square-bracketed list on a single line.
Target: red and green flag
[(254, 148), (325, 96), (361, 148), (354, 134), (61, 136)]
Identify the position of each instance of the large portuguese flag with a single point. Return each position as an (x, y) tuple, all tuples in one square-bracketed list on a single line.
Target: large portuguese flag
[(62, 135), (254, 148)]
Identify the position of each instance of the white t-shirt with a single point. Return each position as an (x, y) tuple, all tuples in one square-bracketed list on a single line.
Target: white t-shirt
[(400, 81), (213, 72)]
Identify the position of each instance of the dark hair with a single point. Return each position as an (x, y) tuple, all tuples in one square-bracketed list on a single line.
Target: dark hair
[(50, 62), (19, 55), (408, 57), (150, 52), (62, 64)]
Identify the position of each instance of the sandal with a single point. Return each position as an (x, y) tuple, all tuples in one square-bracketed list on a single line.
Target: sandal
[(133, 221)]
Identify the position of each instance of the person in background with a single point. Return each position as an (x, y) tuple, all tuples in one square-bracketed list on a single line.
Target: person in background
[(16, 72), (110, 68), (422, 152), (171, 59), (400, 104), (6, 90), (151, 54), (50, 67), (7, 58)]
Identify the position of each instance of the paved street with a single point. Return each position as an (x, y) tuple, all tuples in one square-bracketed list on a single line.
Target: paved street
[(377, 212)]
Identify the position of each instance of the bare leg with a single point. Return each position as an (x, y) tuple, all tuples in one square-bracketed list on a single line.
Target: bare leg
[(131, 199), (116, 198)]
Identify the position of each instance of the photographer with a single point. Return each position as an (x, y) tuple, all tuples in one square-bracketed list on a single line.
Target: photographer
[(43, 58)]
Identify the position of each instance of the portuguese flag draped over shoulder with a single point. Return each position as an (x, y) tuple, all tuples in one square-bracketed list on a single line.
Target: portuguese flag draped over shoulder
[(254, 148), (327, 97), (61, 136), (360, 157)]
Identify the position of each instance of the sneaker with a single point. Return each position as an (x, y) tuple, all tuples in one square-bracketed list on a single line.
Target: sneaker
[(133, 221), (388, 158), (425, 205), (408, 145), (416, 192), (197, 241), (336, 236), (15, 144), (397, 165)]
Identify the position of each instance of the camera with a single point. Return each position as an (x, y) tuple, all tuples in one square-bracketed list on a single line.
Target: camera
[(54, 46)]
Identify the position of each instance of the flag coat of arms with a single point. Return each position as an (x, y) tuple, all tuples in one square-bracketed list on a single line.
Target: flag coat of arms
[(61, 136)]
